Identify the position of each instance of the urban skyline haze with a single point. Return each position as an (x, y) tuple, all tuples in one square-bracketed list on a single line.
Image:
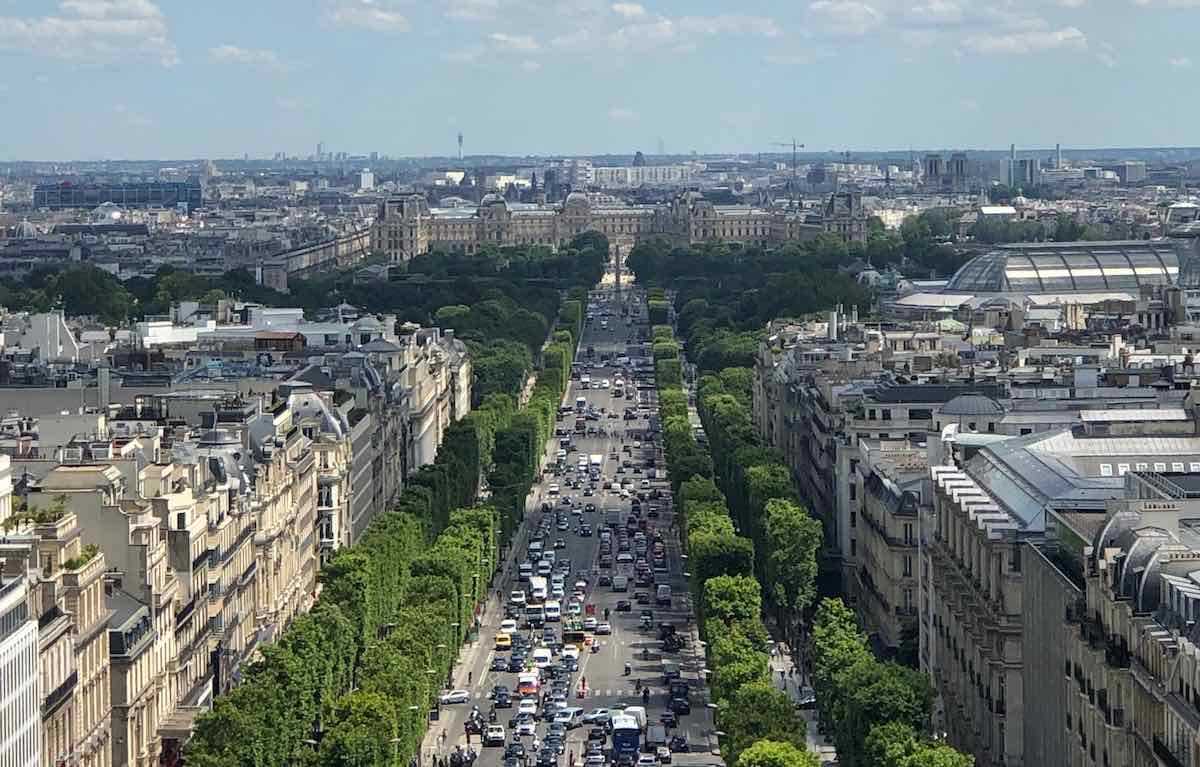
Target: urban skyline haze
[(94, 79)]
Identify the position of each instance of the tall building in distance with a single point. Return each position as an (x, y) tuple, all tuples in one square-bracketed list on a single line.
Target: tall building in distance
[(460, 139), (366, 180), (935, 169)]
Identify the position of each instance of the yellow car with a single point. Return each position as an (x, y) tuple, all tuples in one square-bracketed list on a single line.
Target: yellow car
[(503, 642)]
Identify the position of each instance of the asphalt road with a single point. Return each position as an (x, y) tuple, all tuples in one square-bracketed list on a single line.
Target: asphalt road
[(603, 670)]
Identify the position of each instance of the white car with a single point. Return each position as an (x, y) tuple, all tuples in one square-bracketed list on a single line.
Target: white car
[(494, 735), (604, 384), (574, 608), (454, 696), (604, 628), (527, 706), (589, 624), (552, 490), (647, 760), (508, 626), (517, 598), (597, 716), (570, 651), (527, 728), (594, 760), (624, 557)]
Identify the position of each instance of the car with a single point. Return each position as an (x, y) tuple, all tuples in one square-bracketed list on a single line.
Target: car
[(450, 697), (681, 706), (570, 651), (516, 664), (585, 531), (597, 716), (517, 598), (508, 627), (527, 706), (603, 628), (494, 735), (510, 762), (593, 760), (597, 734), (514, 750), (647, 760), (503, 642), (504, 700), (527, 726), (624, 606), (663, 754), (552, 490), (590, 623), (679, 744), (605, 580), (574, 608)]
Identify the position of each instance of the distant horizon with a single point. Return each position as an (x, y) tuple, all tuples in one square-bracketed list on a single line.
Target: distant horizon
[(831, 156)]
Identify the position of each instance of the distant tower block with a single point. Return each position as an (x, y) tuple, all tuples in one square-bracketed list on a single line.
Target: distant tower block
[(460, 147)]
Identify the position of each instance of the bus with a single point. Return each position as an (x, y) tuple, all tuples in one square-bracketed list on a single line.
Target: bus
[(626, 736)]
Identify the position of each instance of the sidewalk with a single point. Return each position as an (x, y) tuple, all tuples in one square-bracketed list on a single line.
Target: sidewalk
[(797, 687)]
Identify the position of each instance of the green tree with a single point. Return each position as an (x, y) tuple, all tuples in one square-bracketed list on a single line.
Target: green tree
[(729, 598), (896, 744), (774, 753), (757, 711), (875, 693), (793, 540)]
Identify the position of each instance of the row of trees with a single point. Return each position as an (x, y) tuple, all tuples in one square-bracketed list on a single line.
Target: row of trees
[(879, 710), (750, 541), (352, 681), (759, 720)]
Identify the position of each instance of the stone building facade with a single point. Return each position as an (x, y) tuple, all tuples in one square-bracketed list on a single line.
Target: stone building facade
[(406, 226)]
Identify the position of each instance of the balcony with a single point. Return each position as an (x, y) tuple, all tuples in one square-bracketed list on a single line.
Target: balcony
[(1116, 654), (60, 695), (1164, 753)]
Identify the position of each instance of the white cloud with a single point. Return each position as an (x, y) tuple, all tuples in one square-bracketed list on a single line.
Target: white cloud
[(844, 18), (655, 32), (368, 16), (1025, 42), (93, 31), (730, 24), (1072, 3), (514, 42), (934, 13), (629, 10), (472, 10), (259, 58), (1180, 63), (621, 114)]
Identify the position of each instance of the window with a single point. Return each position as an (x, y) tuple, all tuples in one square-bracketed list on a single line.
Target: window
[(853, 491), (887, 414), (908, 533), (871, 414), (1025, 431), (908, 566), (1122, 469), (1106, 470), (853, 520), (1160, 467), (853, 547), (1194, 467), (1143, 467), (1177, 467), (1014, 564)]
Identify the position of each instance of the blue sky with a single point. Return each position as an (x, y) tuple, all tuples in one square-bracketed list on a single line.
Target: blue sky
[(88, 79)]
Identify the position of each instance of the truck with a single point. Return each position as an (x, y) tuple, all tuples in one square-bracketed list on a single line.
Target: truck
[(626, 736), (537, 589), (656, 735), (597, 460)]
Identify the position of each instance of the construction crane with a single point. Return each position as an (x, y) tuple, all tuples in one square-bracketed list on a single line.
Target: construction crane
[(794, 184)]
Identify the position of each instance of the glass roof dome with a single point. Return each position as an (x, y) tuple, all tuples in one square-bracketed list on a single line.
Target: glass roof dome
[(1079, 267)]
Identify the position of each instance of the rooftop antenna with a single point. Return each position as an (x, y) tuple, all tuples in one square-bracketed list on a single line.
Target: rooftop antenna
[(794, 146)]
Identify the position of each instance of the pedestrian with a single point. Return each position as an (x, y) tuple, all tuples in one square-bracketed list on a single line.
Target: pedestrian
[(782, 675), (470, 675)]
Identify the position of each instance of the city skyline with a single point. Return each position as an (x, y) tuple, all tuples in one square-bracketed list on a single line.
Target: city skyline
[(138, 80)]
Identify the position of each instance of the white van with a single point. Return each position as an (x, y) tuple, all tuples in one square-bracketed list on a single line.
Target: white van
[(638, 713), (526, 571), (553, 611), (620, 583), (542, 657)]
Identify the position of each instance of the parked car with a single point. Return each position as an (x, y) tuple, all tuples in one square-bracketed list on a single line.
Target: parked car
[(451, 697)]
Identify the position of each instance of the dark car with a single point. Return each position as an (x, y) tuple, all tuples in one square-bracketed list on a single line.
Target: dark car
[(624, 606), (514, 750), (642, 597), (597, 734), (504, 700), (681, 706), (679, 744), (499, 663), (516, 665), (605, 580)]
